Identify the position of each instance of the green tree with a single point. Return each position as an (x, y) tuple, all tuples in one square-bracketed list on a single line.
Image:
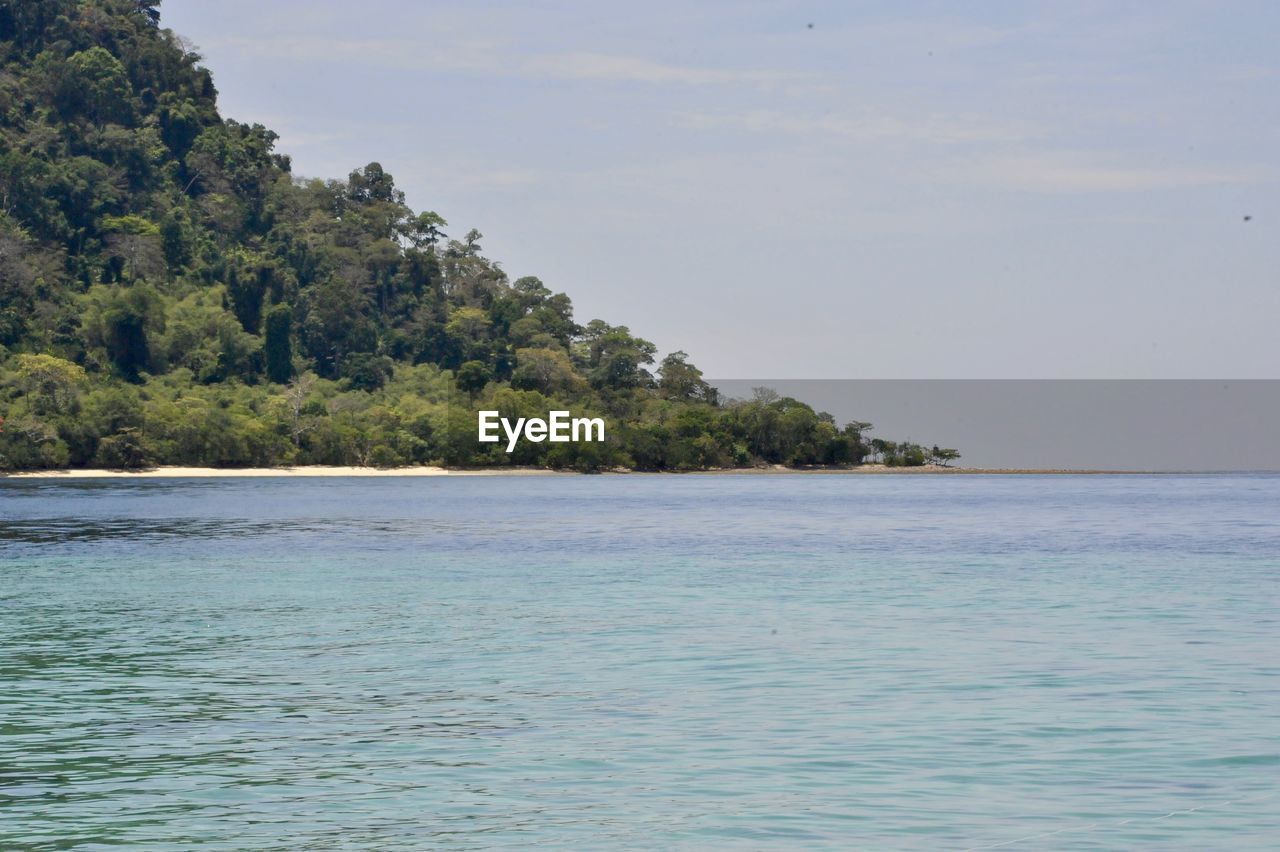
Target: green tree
[(126, 449), (366, 371), (424, 230), (943, 456), (678, 379), (158, 261), (150, 9), (129, 317), (473, 376), (279, 344), (546, 370), (95, 84), (53, 381)]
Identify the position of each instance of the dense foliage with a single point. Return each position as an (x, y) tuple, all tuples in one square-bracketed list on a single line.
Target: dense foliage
[(171, 293)]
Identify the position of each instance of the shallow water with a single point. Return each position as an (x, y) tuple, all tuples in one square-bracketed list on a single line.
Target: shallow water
[(641, 662)]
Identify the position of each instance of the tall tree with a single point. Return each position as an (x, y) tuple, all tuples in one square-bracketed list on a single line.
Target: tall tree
[(279, 344)]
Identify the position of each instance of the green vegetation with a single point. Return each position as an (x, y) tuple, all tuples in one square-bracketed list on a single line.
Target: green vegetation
[(171, 294)]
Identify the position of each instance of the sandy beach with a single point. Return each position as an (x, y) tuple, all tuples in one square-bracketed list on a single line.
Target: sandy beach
[(281, 472), (427, 470)]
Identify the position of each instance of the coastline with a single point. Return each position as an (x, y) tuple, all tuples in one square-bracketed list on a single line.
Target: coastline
[(312, 471)]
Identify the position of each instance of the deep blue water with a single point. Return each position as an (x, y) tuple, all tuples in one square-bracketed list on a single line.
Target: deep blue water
[(641, 662)]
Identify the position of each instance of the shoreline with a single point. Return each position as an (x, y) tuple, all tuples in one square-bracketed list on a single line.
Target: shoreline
[(315, 471)]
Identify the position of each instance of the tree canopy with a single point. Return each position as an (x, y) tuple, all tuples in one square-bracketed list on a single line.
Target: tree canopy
[(170, 292)]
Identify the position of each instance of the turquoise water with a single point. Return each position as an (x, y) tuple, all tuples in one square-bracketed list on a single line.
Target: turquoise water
[(641, 662)]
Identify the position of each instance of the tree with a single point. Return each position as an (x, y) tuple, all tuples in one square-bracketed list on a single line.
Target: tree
[(150, 9), (129, 316), (853, 432), (366, 371), (136, 241), (681, 380), (943, 456), (51, 380), (424, 229), (906, 454), (127, 449), (296, 398), (884, 450), (163, 275), (248, 291), (173, 243), (546, 370), (614, 357), (96, 85), (372, 184), (469, 331), (470, 323), (334, 324), (474, 375), (19, 290), (279, 344)]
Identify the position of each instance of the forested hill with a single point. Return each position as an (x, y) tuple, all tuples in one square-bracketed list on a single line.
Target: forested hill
[(171, 293)]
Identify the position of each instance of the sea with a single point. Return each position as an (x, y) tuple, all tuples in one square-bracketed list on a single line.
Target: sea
[(641, 662)]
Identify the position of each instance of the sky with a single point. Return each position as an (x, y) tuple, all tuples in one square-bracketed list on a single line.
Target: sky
[(870, 190)]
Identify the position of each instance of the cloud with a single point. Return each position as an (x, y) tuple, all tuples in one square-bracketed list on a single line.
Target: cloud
[(470, 175), (1248, 74), (939, 34), (632, 69), (498, 58), (474, 55), (867, 127), (1082, 172), (488, 179)]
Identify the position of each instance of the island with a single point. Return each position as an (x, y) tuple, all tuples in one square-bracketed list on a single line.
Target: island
[(172, 294)]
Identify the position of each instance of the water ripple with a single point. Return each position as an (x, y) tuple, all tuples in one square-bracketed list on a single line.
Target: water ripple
[(641, 663)]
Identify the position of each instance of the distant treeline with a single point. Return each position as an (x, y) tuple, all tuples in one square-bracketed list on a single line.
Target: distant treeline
[(171, 294)]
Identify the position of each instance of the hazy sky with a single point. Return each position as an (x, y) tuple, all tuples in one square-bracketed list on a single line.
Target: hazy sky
[(904, 190)]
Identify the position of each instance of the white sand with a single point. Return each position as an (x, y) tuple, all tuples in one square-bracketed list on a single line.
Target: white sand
[(424, 470), (284, 472)]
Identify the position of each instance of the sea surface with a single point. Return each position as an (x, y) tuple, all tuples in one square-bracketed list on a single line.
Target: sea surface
[(641, 662)]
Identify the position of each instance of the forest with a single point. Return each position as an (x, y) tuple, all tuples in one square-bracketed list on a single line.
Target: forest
[(172, 294)]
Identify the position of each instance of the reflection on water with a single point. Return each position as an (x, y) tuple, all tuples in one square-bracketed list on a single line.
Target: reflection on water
[(914, 662)]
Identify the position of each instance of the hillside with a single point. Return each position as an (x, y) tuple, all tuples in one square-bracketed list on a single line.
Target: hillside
[(171, 293)]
